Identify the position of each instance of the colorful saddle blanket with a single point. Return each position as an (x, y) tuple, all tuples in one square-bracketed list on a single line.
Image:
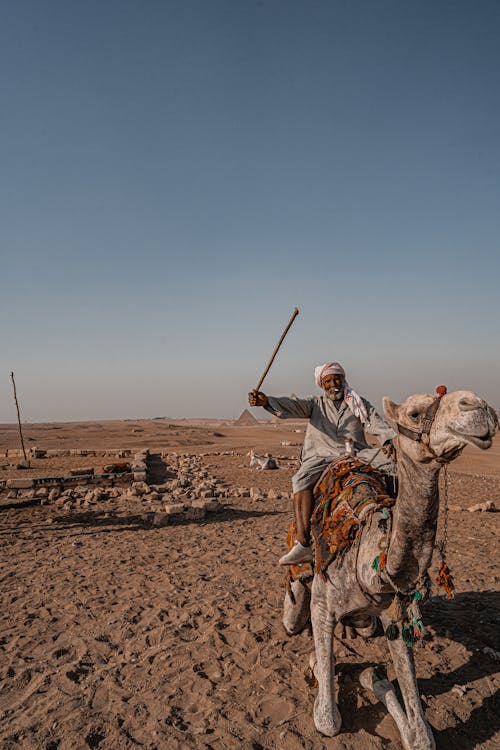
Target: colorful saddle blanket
[(347, 493)]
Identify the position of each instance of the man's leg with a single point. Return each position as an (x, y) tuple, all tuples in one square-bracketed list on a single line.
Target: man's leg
[(303, 501), (302, 509)]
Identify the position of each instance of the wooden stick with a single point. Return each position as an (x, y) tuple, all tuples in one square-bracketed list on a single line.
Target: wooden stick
[(18, 415), (295, 313)]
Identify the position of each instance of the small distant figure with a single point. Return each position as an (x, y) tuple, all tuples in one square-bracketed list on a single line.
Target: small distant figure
[(262, 462)]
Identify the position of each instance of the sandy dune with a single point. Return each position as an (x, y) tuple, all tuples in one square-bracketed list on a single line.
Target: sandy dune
[(116, 634)]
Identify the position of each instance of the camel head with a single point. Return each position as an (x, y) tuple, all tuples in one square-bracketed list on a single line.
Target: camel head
[(438, 428)]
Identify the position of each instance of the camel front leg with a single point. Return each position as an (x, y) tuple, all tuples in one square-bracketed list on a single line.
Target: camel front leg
[(419, 735), (327, 717)]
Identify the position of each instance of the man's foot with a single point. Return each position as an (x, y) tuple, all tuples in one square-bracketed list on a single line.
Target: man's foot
[(298, 554)]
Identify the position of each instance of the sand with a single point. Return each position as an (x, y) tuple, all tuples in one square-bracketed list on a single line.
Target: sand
[(116, 634)]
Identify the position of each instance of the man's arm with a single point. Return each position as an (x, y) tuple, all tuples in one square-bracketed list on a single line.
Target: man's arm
[(282, 406)]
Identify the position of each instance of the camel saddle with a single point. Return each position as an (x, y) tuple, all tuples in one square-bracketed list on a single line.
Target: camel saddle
[(345, 496)]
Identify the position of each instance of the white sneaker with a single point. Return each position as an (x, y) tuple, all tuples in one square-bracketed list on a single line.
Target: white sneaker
[(298, 554)]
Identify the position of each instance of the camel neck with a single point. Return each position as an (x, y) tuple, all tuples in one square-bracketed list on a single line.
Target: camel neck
[(414, 523)]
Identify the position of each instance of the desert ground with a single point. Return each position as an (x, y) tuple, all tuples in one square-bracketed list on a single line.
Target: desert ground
[(119, 633)]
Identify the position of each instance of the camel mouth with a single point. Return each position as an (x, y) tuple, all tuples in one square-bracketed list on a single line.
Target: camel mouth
[(480, 441)]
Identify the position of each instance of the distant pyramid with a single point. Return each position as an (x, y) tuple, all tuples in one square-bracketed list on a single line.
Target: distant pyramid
[(246, 419)]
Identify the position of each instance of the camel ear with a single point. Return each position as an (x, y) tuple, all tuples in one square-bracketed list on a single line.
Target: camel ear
[(390, 409)]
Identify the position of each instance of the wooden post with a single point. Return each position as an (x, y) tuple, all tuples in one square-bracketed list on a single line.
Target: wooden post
[(18, 416)]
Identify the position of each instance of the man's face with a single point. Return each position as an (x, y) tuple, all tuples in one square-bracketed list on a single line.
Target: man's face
[(333, 385)]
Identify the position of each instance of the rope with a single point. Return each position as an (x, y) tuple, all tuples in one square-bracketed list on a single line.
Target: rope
[(444, 540)]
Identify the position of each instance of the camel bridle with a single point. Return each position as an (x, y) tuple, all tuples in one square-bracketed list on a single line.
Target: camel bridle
[(422, 435)]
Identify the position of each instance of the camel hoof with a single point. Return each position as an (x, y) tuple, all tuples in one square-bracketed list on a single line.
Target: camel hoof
[(329, 726)]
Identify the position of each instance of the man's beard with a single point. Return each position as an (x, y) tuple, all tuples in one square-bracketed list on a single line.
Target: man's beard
[(336, 394)]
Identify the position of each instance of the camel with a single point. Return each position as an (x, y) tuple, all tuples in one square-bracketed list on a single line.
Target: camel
[(432, 431)]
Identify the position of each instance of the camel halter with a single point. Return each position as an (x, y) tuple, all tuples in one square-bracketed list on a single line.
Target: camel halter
[(423, 435)]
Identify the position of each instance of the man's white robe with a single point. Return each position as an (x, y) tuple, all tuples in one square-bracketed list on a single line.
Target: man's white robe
[(327, 431)]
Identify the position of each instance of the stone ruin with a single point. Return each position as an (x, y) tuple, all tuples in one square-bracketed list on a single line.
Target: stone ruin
[(189, 491)]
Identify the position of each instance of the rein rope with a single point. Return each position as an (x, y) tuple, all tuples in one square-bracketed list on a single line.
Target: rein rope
[(444, 577)]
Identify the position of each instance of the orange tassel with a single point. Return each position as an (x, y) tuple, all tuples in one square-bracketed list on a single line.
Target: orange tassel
[(445, 580), (382, 561)]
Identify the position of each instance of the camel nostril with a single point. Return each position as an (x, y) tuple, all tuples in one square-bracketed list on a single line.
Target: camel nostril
[(468, 403)]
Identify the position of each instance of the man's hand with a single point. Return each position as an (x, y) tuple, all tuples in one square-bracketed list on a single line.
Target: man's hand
[(257, 398), (389, 449)]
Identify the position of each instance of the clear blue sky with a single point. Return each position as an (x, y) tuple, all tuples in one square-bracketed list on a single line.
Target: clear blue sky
[(176, 176)]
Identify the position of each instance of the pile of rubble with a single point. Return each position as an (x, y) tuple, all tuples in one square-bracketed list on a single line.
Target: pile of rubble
[(189, 492)]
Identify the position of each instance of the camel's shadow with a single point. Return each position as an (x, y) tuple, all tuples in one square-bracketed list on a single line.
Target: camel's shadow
[(471, 619)]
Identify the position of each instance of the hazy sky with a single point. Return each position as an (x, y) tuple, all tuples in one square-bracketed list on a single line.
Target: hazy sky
[(175, 177)]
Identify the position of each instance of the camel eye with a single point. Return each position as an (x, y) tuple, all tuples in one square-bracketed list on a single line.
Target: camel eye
[(414, 415)]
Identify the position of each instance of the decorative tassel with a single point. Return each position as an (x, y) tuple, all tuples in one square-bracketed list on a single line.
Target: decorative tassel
[(445, 580), (395, 610), (408, 635), (418, 628), (382, 524), (392, 632), (413, 611), (379, 563)]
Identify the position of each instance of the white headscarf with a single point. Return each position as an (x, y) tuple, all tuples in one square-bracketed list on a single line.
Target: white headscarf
[(353, 401)]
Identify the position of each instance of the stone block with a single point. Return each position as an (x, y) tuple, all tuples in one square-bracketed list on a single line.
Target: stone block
[(19, 484), (173, 508), (141, 487), (487, 506), (86, 471), (208, 505), (195, 514), (161, 519), (139, 476), (37, 452)]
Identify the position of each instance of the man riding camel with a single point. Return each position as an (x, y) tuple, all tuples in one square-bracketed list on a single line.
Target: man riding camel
[(338, 420)]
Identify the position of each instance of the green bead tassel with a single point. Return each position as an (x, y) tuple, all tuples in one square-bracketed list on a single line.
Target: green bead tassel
[(392, 632)]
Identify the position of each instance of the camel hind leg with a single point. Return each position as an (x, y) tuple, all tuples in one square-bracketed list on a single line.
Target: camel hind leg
[(296, 607)]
